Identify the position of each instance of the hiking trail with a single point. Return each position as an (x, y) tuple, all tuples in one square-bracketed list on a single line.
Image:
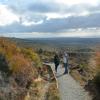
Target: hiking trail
[(69, 88)]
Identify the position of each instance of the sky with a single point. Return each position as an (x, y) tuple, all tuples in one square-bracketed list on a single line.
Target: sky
[(49, 18)]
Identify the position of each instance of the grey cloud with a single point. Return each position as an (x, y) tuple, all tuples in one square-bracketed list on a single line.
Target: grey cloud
[(80, 8), (56, 25), (22, 6), (95, 8), (33, 7), (44, 7)]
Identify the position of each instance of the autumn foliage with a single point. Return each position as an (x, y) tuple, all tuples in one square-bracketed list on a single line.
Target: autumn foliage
[(18, 62)]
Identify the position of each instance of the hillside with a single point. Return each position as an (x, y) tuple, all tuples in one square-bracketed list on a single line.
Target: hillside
[(22, 75), (58, 43)]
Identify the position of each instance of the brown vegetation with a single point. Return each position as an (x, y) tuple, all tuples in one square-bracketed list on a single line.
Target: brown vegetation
[(22, 75), (87, 72)]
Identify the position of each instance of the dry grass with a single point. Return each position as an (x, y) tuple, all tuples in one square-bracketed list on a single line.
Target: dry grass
[(53, 93)]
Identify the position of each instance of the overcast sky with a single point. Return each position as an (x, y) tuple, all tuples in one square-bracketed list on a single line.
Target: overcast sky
[(50, 18)]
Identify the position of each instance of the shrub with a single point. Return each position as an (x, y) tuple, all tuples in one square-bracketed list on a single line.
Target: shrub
[(97, 77), (3, 64), (16, 63), (97, 81), (98, 60), (33, 56)]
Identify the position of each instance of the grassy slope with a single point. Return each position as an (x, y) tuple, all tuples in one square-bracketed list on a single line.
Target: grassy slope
[(21, 73)]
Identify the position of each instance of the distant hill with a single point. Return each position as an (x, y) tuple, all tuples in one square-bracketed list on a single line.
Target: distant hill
[(61, 40), (58, 43)]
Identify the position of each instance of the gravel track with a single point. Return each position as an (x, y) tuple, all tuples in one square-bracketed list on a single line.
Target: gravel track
[(68, 87)]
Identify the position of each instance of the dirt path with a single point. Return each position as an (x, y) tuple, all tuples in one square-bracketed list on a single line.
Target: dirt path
[(69, 89)]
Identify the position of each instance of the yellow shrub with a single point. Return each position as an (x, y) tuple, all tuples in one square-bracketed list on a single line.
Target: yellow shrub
[(33, 56)]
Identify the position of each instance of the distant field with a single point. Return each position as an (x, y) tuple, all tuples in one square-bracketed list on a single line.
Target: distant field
[(52, 44)]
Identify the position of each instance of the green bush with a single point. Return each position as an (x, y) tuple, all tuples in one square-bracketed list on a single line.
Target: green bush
[(4, 67), (97, 81)]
